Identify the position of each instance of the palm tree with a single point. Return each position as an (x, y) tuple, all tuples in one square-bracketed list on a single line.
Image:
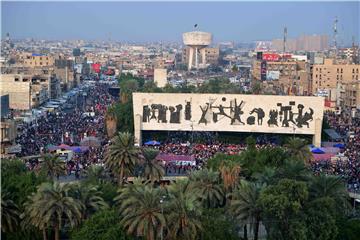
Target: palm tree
[(297, 148), (328, 186), (9, 213), (122, 155), (95, 174), (267, 176), (52, 207), (244, 204), (183, 211), (152, 169), (230, 175), (141, 212), (52, 165), (90, 197), (111, 121), (206, 184), (294, 169)]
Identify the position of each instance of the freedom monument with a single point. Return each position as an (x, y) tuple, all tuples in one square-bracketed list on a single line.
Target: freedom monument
[(228, 113)]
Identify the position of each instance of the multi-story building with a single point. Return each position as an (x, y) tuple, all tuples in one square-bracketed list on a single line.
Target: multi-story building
[(8, 133), (64, 70), (351, 98), (290, 76), (36, 60), (326, 76), (351, 54), (302, 43), (29, 89)]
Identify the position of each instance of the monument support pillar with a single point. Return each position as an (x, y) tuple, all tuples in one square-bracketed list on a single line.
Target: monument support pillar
[(137, 130), (317, 135)]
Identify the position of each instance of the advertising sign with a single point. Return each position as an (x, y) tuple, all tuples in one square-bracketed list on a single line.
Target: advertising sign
[(271, 57), (263, 70), (272, 75)]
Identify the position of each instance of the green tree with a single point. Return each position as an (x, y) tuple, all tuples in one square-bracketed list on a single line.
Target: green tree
[(321, 219), (216, 224), (95, 174), (182, 211), (294, 169), (90, 197), (103, 225), (16, 184), (52, 165), (282, 205), (9, 213), (244, 205), (206, 183), (124, 116), (108, 192), (329, 186), (349, 229), (121, 156), (298, 148), (151, 167), (140, 211), (52, 207)]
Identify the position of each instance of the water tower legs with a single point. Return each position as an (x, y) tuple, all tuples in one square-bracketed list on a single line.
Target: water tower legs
[(191, 54), (196, 58), (203, 54)]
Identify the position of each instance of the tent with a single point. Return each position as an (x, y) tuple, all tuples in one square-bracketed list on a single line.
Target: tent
[(339, 145), (153, 143), (317, 151), (63, 146), (79, 149)]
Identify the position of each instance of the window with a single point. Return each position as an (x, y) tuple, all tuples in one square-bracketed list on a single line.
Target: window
[(16, 79), (40, 63), (353, 70), (337, 70)]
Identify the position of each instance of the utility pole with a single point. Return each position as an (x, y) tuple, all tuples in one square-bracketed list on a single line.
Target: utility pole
[(335, 32), (284, 41)]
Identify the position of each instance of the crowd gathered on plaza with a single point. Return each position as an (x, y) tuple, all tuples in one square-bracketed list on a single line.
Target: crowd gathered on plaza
[(70, 128), (348, 166)]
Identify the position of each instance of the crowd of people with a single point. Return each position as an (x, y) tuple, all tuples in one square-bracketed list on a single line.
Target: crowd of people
[(87, 119), (348, 167)]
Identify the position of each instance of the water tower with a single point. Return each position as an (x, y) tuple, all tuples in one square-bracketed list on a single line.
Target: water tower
[(196, 41)]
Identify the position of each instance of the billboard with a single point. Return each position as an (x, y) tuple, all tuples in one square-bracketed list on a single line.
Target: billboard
[(271, 57), (272, 75), (227, 112), (263, 70), (96, 67)]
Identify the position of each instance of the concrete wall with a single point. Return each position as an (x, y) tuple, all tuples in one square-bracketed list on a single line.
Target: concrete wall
[(160, 77), (223, 112), (18, 89)]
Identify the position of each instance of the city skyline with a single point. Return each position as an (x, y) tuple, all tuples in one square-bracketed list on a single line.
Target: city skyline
[(165, 21)]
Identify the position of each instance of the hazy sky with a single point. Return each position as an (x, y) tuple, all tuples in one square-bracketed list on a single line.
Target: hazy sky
[(165, 21)]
